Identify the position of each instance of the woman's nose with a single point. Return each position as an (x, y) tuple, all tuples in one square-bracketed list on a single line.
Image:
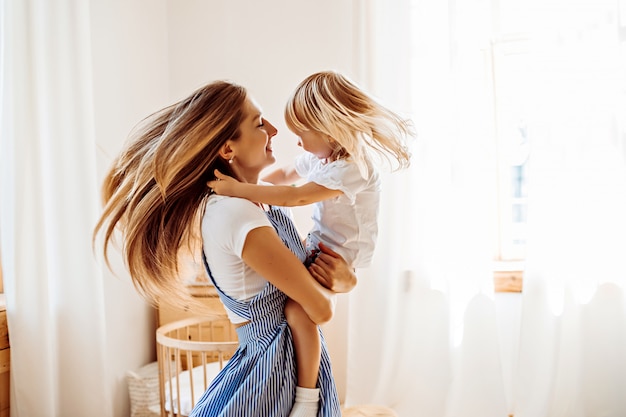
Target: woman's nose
[(270, 128)]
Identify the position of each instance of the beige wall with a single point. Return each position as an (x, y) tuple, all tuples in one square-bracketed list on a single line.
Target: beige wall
[(130, 78)]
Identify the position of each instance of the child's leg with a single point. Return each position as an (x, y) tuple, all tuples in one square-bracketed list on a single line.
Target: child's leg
[(307, 347), (306, 342)]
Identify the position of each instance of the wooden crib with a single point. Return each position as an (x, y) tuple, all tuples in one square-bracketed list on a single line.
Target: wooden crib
[(190, 353)]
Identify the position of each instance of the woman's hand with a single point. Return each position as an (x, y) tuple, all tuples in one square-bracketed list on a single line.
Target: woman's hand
[(223, 184), (332, 271)]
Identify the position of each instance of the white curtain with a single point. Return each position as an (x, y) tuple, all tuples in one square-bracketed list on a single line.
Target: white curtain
[(573, 336), (48, 208), (429, 294)]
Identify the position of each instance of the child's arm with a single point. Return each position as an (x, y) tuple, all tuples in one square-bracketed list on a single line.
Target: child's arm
[(282, 176), (277, 195)]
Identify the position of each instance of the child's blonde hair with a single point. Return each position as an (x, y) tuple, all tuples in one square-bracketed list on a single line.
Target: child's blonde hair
[(330, 103)]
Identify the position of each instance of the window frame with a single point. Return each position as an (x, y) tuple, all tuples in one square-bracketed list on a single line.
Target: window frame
[(508, 269)]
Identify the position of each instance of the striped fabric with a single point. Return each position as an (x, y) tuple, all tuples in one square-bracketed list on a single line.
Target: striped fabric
[(260, 379)]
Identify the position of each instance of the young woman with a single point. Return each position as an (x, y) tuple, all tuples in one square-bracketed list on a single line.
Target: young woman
[(156, 192), (341, 127)]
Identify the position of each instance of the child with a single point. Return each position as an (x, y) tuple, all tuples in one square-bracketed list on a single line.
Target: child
[(341, 127)]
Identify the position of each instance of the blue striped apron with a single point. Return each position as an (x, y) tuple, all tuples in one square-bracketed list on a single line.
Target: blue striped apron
[(260, 378)]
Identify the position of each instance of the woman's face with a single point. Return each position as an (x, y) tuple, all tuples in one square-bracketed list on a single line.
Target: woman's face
[(315, 143), (253, 149)]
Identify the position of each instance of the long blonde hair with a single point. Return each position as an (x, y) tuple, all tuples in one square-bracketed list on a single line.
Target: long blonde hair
[(330, 103), (155, 190)]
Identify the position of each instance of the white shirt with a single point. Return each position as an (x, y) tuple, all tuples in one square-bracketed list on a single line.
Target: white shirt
[(225, 226), (348, 223)]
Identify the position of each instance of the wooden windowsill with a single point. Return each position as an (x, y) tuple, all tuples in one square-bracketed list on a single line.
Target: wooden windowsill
[(508, 281)]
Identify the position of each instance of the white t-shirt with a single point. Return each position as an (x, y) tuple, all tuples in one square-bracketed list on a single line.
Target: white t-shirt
[(348, 223), (225, 226)]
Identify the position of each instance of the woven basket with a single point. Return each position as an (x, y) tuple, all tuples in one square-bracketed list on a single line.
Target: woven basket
[(143, 389)]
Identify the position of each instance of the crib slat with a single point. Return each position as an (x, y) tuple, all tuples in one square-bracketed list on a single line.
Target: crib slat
[(178, 367), (183, 346)]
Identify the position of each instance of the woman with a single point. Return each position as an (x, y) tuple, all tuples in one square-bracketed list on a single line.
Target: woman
[(155, 193)]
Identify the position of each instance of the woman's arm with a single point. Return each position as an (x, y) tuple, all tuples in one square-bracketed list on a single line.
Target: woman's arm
[(276, 195), (264, 252)]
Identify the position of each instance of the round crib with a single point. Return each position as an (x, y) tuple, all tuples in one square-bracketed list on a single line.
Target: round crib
[(190, 353)]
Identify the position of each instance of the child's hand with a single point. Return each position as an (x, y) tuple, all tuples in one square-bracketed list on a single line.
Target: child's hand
[(332, 271), (223, 184)]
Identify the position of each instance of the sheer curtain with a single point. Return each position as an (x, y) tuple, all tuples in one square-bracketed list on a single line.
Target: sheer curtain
[(48, 208), (429, 293), (428, 297), (573, 336)]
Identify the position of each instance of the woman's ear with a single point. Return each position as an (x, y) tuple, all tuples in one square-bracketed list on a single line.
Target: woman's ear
[(226, 151)]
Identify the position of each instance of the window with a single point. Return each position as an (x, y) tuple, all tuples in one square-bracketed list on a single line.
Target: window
[(510, 91), (510, 76)]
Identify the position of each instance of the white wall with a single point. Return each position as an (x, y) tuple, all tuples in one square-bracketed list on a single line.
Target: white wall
[(130, 70)]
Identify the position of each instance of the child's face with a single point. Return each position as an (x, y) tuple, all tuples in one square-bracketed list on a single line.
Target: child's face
[(315, 143)]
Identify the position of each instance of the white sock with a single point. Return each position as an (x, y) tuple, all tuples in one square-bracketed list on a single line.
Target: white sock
[(307, 402)]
